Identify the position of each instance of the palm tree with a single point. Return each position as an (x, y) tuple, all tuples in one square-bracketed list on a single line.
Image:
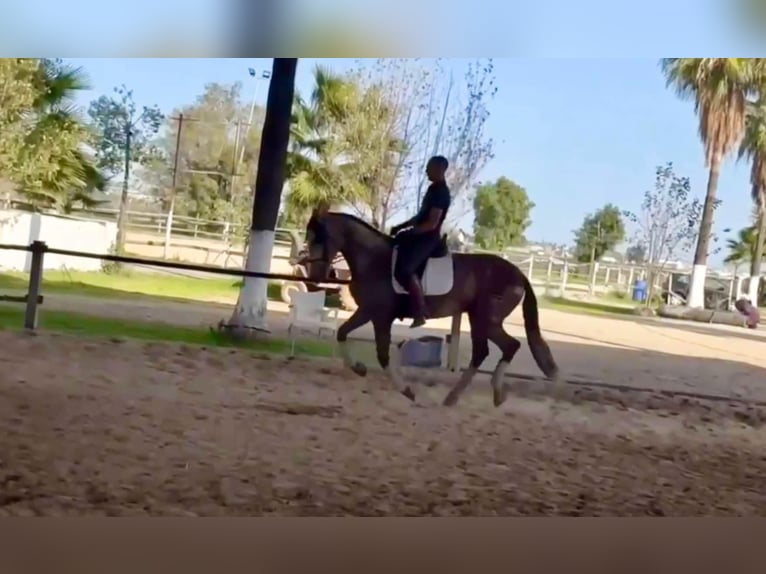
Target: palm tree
[(753, 148), (58, 132), (742, 248), (344, 149), (316, 162), (720, 88)]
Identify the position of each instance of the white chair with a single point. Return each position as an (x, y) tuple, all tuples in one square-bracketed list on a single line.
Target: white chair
[(308, 313)]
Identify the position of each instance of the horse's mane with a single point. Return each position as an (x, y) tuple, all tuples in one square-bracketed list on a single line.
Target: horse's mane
[(358, 220)]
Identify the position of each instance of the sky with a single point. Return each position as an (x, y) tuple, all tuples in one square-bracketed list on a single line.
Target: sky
[(576, 133), (541, 28)]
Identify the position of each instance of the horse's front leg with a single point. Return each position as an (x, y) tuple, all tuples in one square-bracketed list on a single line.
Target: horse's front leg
[(356, 320), (383, 347)]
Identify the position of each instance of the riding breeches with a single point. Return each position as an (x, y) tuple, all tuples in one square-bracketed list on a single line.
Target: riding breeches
[(414, 251)]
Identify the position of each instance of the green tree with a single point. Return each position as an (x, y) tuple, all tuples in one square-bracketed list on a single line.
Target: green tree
[(42, 152), (217, 156), (753, 148), (719, 88), (502, 212), (344, 149), (600, 232), (124, 136), (742, 249), (318, 162)]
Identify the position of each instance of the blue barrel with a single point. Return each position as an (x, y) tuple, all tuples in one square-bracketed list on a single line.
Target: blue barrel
[(640, 289), (422, 352)]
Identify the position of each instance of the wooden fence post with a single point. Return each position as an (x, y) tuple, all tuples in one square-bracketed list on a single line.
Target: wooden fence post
[(38, 249), (564, 277)]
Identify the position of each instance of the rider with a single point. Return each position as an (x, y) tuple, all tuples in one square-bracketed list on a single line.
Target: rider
[(419, 236)]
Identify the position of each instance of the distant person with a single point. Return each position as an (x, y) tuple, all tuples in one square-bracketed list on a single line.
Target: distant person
[(750, 311)]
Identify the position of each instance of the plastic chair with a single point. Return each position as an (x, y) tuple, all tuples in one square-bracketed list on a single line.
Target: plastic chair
[(308, 313)]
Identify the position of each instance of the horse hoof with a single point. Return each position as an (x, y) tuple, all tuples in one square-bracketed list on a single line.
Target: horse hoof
[(499, 396), (359, 369), (409, 394), (450, 401)]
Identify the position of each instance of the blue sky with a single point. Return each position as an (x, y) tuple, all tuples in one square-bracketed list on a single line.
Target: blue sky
[(576, 133)]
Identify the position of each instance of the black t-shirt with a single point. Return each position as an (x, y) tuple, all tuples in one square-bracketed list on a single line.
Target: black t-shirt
[(437, 196)]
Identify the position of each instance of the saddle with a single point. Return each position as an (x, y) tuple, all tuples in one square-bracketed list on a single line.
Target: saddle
[(436, 274)]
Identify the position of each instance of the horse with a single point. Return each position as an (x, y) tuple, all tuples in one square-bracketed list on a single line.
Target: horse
[(486, 287)]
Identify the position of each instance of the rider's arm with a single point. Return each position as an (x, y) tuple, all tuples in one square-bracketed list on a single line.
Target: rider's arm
[(431, 222)]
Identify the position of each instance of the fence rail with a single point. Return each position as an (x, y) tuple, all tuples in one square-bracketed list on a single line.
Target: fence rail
[(38, 249)]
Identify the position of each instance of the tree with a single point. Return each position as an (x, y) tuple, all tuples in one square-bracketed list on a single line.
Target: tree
[(668, 221), (321, 159), (636, 254), (600, 232), (216, 159), (42, 152), (437, 115), (720, 88), (250, 311), (380, 125), (742, 249), (753, 148), (502, 212), (346, 149), (124, 137)]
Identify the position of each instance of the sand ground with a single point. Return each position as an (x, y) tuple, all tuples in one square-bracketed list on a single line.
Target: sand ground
[(118, 427)]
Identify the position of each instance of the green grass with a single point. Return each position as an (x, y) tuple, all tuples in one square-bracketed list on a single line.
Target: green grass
[(603, 308), (61, 321), (134, 284)]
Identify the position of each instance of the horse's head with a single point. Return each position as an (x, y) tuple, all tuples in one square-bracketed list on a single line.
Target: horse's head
[(322, 245)]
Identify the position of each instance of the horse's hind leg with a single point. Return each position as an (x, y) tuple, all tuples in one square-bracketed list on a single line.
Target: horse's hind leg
[(479, 352), (508, 347), (501, 308), (383, 348)]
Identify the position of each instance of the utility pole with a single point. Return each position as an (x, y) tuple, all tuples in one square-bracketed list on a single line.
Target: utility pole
[(122, 212), (173, 190)]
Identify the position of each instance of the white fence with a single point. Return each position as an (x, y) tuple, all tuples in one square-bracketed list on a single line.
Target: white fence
[(70, 233)]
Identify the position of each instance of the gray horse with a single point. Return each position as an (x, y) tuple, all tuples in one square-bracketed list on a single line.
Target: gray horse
[(484, 286)]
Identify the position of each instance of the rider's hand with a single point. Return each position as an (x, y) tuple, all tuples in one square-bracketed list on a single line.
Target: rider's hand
[(395, 230)]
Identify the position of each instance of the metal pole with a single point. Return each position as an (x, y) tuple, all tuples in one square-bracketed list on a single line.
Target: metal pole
[(122, 213), (264, 74), (35, 283), (171, 209)]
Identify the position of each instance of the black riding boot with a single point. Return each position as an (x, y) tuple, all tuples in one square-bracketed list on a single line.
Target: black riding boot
[(418, 303)]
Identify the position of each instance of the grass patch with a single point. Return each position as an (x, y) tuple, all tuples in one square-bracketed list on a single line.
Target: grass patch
[(585, 307), (137, 284), (79, 324)]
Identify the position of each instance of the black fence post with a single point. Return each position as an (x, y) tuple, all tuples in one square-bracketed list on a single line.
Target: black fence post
[(38, 249)]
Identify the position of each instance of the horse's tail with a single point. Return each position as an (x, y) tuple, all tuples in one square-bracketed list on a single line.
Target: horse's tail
[(540, 350)]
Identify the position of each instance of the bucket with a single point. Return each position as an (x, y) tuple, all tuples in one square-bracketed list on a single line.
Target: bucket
[(425, 352)]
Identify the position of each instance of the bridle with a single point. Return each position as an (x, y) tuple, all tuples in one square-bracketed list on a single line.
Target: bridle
[(323, 258)]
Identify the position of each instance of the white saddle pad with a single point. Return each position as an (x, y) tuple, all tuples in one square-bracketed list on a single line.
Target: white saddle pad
[(437, 278)]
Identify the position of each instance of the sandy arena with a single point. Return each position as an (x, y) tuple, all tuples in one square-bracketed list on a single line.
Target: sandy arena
[(119, 427)]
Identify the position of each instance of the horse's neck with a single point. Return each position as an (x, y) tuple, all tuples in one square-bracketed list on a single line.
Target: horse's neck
[(365, 250)]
